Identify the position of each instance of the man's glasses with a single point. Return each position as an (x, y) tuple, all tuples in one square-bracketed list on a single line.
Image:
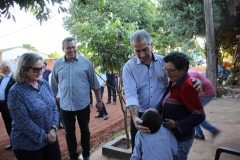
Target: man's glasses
[(36, 69), (170, 71)]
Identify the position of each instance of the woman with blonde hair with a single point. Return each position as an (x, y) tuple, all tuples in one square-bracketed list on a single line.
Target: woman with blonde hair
[(34, 113)]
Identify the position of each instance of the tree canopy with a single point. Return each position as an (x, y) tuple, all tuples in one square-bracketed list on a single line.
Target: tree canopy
[(185, 22), (29, 47), (103, 30), (38, 8), (54, 55)]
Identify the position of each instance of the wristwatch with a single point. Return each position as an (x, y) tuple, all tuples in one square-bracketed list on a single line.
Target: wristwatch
[(55, 128)]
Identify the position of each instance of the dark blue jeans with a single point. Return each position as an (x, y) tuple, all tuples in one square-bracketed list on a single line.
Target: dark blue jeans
[(205, 124), (184, 149), (49, 152), (116, 81), (69, 118), (110, 89), (103, 111)]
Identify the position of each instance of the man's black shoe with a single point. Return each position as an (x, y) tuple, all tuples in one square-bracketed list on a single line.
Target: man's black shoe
[(98, 116), (108, 102), (8, 147)]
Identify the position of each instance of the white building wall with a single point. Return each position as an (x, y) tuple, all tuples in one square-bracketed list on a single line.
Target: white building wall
[(13, 53)]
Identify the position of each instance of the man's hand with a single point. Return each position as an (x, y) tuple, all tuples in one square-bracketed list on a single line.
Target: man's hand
[(169, 123), (57, 99), (197, 84), (137, 122), (99, 106)]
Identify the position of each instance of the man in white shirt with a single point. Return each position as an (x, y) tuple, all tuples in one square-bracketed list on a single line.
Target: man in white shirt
[(6, 83), (102, 79)]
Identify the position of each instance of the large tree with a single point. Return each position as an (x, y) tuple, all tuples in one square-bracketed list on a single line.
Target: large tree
[(185, 22), (144, 14)]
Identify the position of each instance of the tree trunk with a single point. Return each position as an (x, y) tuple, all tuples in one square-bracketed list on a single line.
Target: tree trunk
[(211, 54)]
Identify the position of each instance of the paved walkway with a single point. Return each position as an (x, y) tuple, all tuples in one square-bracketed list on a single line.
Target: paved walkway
[(223, 113)]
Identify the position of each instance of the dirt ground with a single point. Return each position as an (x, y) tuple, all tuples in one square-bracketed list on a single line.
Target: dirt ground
[(101, 130)]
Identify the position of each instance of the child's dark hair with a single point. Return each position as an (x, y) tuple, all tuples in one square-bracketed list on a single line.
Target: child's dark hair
[(152, 119)]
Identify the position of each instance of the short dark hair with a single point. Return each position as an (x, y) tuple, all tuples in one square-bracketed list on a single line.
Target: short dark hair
[(179, 59), (68, 39), (152, 119), (45, 63)]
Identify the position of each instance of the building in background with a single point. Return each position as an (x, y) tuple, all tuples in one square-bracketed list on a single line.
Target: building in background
[(12, 53)]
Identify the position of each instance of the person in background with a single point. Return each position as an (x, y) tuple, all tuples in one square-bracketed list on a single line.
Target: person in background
[(111, 87), (75, 74), (34, 112), (160, 144), (144, 80), (181, 107), (6, 83), (46, 72), (58, 97), (116, 81), (16, 63), (103, 113), (205, 97)]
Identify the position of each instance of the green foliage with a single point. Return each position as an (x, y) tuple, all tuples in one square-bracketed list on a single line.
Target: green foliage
[(29, 47), (185, 21), (54, 55), (103, 31), (109, 46), (37, 7), (234, 69), (122, 132)]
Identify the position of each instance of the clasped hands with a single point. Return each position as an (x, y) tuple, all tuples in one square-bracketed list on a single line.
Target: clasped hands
[(51, 136)]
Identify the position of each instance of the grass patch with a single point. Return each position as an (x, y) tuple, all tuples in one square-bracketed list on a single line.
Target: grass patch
[(122, 132)]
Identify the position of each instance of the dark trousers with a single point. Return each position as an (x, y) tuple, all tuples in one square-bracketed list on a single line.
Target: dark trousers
[(103, 111), (134, 130), (116, 81), (49, 152), (83, 117), (110, 89), (6, 117)]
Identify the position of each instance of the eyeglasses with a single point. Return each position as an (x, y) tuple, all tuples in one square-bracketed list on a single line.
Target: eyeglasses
[(170, 71), (36, 69)]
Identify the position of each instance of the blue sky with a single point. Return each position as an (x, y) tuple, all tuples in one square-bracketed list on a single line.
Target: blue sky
[(46, 38)]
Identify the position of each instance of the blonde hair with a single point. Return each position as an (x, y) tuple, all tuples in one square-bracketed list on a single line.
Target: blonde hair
[(24, 63)]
